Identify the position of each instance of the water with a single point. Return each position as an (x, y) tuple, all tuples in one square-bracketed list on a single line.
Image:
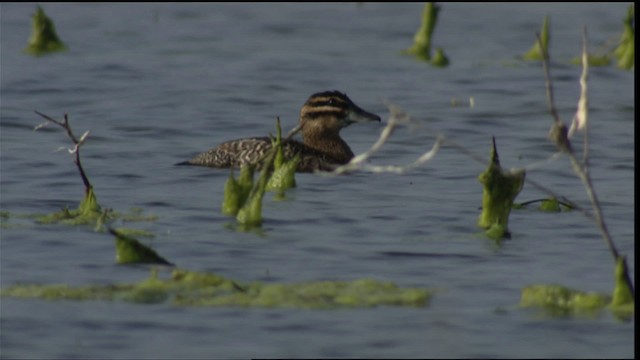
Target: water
[(158, 83)]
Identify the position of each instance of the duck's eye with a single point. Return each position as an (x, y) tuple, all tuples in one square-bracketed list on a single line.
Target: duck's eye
[(331, 102)]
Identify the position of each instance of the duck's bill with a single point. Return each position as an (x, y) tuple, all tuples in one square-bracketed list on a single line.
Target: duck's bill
[(359, 115)]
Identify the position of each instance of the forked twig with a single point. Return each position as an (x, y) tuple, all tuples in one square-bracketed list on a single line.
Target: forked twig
[(358, 163), (78, 142)]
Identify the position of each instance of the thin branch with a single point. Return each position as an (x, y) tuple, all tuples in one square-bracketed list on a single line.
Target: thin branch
[(547, 77), (77, 144), (558, 134), (358, 163)]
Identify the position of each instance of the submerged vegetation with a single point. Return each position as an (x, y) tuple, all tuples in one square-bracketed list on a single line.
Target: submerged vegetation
[(44, 39), (199, 289)]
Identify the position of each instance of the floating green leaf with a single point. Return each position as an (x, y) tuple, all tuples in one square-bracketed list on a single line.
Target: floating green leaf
[(44, 38), (131, 251), (500, 188), (535, 53), (189, 288)]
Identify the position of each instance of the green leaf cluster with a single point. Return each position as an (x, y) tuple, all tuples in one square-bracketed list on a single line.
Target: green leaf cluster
[(243, 197)]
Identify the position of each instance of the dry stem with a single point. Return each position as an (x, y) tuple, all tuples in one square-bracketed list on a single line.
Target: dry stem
[(78, 142)]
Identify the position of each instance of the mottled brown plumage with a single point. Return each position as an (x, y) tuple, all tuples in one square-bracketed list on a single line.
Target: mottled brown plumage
[(321, 118)]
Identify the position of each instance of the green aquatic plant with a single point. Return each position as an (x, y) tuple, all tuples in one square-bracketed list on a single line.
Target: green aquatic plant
[(622, 294), (88, 212), (625, 51), (439, 58), (250, 214), (560, 136), (237, 191), (500, 188), (130, 251), (244, 197), (284, 171), (44, 39), (421, 47), (558, 300), (536, 51), (200, 289)]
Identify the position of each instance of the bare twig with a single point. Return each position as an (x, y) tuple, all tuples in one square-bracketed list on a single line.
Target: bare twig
[(78, 142), (358, 163), (558, 134)]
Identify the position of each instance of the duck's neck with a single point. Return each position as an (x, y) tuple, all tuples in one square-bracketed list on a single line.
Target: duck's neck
[(330, 143)]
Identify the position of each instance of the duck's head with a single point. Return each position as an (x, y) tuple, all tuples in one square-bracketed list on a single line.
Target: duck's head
[(326, 113)]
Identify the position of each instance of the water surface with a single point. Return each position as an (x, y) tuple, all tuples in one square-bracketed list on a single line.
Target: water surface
[(158, 83)]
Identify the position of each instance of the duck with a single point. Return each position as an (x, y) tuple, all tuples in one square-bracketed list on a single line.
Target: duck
[(322, 117)]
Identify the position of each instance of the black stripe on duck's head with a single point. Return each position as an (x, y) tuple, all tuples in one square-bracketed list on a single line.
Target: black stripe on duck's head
[(330, 111)]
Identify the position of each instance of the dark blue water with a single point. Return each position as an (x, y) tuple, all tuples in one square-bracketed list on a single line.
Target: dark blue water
[(157, 83)]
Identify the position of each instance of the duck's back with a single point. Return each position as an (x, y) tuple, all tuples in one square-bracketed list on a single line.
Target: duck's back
[(240, 152)]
